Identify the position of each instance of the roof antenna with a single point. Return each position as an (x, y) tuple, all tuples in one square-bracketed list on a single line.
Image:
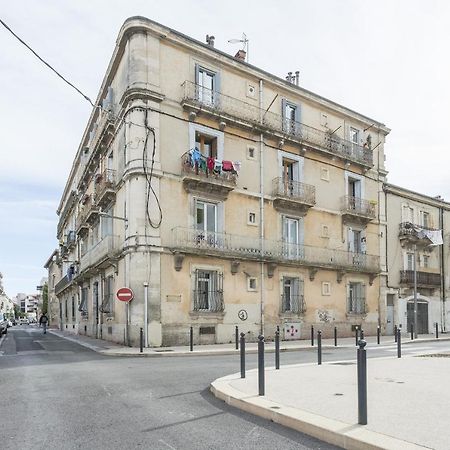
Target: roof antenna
[(245, 44)]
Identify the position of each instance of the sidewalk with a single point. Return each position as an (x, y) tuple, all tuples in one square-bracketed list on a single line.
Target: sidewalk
[(112, 349), (408, 401)]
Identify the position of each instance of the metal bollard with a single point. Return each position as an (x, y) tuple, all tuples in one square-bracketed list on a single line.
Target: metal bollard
[(261, 389), (399, 343), (437, 331), (319, 347), (395, 333), (277, 349), (362, 383), (141, 340), (378, 334), (312, 336), (335, 336), (412, 332), (356, 335), (242, 355), (191, 339), (236, 337)]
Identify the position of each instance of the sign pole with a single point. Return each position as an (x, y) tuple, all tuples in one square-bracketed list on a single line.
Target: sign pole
[(146, 314)]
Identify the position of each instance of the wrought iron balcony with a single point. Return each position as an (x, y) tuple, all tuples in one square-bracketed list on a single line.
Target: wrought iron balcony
[(82, 227), (355, 208), (294, 304), (105, 187), (292, 196), (424, 279), (190, 240), (410, 234), (71, 239), (203, 100), (101, 254), (199, 178), (62, 284)]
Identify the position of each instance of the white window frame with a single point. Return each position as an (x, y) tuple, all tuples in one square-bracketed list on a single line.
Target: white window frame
[(299, 162), (249, 282), (206, 268), (354, 176), (326, 288), (364, 292)]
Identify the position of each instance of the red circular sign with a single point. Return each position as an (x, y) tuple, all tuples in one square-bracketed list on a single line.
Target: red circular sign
[(125, 294)]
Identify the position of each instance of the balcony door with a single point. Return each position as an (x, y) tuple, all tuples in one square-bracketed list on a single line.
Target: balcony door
[(292, 237), (205, 223), (354, 193), (206, 81), (292, 295)]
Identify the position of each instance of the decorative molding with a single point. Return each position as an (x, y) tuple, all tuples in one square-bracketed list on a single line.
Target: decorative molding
[(312, 273), (271, 269), (339, 275), (178, 261), (235, 267)]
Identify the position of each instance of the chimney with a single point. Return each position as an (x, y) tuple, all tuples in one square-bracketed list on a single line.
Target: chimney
[(297, 75), (210, 40), (241, 54)]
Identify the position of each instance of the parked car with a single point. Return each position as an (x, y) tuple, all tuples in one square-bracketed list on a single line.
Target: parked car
[(23, 321), (9, 323), (3, 324)]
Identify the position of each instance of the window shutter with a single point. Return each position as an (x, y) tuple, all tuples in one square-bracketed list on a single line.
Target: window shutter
[(298, 128), (348, 297), (351, 243), (283, 108), (363, 242), (197, 74), (217, 82)]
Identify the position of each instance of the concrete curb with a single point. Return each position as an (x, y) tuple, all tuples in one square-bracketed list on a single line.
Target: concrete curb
[(348, 436)]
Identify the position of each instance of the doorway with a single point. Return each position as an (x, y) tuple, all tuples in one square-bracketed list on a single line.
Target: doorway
[(422, 316)]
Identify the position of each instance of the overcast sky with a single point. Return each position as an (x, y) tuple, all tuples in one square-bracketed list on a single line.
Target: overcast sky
[(386, 59)]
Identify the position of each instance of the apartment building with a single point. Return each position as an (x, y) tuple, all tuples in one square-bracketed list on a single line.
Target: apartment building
[(6, 304), (417, 232), (54, 268), (222, 195), (28, 304)]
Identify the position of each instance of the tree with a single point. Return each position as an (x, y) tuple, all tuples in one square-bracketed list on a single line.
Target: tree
[(45, 298)]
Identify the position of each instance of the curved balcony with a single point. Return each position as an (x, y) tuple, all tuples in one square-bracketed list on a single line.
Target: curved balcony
[(105, 188), (355, 209), (292, 196), (411, 234)]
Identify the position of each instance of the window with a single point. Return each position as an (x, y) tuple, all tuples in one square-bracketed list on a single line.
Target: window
[(325, 231), (207, 84), (356, 241), (410, 261), (356, 298), (73, 307), (426, 261), (424, 219), (251, 220), (291, 237), (107, 224), (208, 291), (290, 115), (206, 144), (354, 135), (83, 308), (108, 304), (408, 214), (292, 295), (354, 192), (326, 288), (251, 284), (66, 309), (205, 217), (251, 152)]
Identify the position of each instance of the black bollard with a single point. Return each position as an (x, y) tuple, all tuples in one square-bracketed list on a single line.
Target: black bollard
[(362, 383), (356, 336), (319, 347), (278, 328), (236, 337), (412, 332), (277, 349), (395, 333), (261, 365), (378, 334), (141, 340), (335, 336), (312, 336), (191, 339), (437, 331), (399, 343), (242, 355)]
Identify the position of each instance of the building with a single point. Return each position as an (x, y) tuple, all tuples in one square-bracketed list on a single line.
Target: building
[(222, 195), (53, 266), (414, 223), (28, 304), (6, 304)]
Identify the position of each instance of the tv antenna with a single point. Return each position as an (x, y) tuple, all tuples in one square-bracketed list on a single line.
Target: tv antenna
[(245, 44)]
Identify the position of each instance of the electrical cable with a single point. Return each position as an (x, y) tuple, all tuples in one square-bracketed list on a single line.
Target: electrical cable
[(47, 64)]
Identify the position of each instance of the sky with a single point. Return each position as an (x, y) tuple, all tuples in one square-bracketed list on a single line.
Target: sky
[(385, 59)]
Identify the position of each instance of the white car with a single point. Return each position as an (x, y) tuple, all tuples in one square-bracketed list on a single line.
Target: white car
[(10, 324)]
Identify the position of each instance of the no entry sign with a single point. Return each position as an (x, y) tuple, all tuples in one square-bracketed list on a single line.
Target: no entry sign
[(125, 294)]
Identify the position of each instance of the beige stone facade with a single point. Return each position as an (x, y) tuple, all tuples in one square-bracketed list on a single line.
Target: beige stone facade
[(274, 219)]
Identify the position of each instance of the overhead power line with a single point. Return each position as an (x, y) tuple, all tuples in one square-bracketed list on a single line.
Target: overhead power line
[(46, 63)]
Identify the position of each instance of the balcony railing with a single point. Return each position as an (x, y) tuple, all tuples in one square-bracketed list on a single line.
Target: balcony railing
[(423, 278), (251, 115), (62, 284), (105, 184), (201, 171), (294, 190), (294, 304), (357, 206), (231, 245), (409, 229), (107, 249), (71, 239)]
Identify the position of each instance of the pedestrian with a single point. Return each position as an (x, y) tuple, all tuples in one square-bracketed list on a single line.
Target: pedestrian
[(43, 321)]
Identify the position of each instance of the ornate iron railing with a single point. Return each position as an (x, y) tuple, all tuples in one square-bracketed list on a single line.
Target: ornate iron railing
[(202, 171), (189, 239), (423, 278), (247, 114), (103, 182), (211, 300), (359, 206), (282, 187), (293, 304)]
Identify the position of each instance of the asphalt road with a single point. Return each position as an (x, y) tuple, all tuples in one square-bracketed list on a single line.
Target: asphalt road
[(56, 394)]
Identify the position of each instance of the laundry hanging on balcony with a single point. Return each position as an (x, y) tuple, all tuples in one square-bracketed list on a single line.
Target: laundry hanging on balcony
[(435, 236), (211, 165)]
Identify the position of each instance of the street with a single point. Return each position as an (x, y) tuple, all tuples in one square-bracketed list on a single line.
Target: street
[(57, 394)]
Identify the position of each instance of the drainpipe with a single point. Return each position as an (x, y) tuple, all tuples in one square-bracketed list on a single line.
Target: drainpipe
[(261, 205), (145, 314), (441, 254)]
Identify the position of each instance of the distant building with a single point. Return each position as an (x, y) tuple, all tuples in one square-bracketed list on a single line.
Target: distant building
[(53, 266), (28, 304)]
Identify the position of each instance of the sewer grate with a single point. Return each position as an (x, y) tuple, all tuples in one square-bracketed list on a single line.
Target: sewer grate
[(343, 364)]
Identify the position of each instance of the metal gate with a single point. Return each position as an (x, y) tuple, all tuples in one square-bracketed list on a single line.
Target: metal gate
[(422, 316)]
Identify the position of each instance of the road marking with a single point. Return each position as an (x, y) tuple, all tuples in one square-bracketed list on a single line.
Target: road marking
[(168, 445)]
